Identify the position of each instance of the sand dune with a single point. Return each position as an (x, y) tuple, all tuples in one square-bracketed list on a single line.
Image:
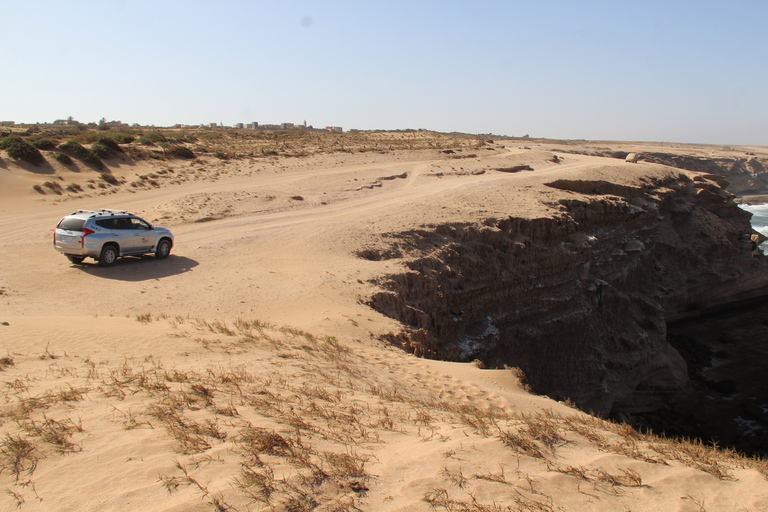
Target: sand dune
[(245, 372)]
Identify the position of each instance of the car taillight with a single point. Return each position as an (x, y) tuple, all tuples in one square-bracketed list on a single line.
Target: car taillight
[(86, 232)]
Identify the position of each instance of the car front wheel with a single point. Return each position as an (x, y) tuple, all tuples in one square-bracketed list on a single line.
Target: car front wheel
[(108, 256), (163, 249)]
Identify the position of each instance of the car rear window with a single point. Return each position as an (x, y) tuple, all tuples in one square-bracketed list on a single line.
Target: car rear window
[(106, 223), (71, 223)]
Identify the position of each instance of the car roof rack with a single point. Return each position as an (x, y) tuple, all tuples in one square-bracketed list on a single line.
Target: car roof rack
[(103, 211)]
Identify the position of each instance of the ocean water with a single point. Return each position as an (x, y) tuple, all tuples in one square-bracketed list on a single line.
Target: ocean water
[(759, 219)]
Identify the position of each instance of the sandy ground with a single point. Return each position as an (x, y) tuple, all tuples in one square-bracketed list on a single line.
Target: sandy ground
[(245, 371)]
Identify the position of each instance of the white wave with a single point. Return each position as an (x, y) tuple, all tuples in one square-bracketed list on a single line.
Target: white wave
[(759, 219)]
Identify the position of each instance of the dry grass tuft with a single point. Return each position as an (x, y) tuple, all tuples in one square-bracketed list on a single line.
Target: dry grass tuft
[(521, 444), (18, 455), (299, 433)]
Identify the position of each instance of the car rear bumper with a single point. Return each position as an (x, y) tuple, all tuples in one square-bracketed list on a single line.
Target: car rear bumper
[(76, 249)]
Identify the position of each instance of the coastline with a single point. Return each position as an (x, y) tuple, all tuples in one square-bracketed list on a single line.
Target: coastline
[(753, 199)]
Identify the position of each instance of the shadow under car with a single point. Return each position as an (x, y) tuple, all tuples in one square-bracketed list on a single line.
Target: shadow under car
[(139, 268)]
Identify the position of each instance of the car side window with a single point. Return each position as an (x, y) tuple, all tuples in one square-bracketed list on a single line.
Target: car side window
[(123, 223), (139, 224), (106, 223)]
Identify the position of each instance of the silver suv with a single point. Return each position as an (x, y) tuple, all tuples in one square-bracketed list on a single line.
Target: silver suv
[(105, 235)]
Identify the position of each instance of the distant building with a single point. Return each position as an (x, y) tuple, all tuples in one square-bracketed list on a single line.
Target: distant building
[(286, 126), (7, 123), (270, 127), (239, 126), (334, 128), (67, 121), (253, 126), (213, 125)]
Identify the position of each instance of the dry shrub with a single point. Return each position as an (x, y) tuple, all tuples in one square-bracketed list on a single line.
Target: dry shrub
[(18, 455), (344, 464), (520, 376), (257, 440), (521, 443)]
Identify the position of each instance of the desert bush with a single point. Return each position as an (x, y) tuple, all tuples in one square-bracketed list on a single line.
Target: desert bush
[(109, 178), (200, 149), (122, 138), (21, 150), (87, 137), (81, 153), (105, 147), (221, 155), (111, 144), (43, 144), (154, 136), (61, 157), (179, 152), (38, 188), (90, 136), (180, 138), (53, 185), (101, 150)]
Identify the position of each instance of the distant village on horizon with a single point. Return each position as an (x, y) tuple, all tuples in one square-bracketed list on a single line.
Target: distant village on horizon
[(103, 123)]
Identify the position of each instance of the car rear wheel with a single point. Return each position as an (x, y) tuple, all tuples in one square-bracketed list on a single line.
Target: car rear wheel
[(108, 256), (163, 249), (75, 259)]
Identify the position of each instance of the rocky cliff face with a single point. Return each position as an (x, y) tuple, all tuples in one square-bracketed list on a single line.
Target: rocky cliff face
[(746, 175), (579, 299)]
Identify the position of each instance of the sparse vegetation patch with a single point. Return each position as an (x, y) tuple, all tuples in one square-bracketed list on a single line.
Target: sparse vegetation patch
[(53, 186), (63, 158), (179, 152), (20, 149), (45, 144), (109, 178), (306, 430), (81, 153)]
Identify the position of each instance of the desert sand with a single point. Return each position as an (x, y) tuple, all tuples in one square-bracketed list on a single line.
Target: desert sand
[(246, 371)]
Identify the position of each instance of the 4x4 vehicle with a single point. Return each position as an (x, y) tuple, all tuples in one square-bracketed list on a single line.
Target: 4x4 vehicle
[(105, 235)]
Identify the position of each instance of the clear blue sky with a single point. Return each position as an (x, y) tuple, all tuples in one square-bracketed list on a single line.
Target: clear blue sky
[(683, 71)]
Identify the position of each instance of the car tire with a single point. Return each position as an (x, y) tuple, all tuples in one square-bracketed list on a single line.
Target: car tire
[(108, 255), (75, 259), (163, 249)]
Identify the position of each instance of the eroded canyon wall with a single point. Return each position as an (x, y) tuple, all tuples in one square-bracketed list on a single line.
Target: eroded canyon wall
[(579, 299)]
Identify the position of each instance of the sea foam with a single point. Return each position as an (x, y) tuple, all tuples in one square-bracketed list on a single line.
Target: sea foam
[(759, 219)]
